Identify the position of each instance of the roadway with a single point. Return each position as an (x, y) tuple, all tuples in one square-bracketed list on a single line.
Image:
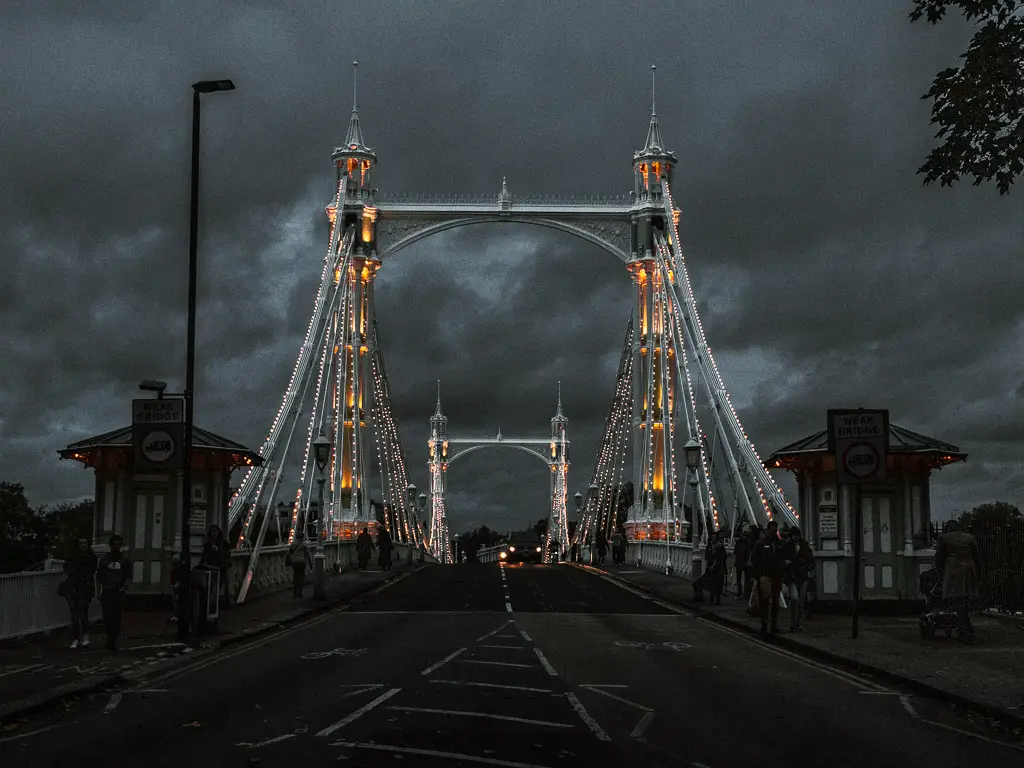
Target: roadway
[(519, 666)]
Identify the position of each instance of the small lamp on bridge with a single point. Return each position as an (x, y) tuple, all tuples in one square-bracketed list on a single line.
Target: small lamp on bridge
[(321, 455), (578, 498), (691, 451)]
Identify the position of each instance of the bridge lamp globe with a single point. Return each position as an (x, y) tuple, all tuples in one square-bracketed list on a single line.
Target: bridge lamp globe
[(411, 492), (321, 452), (578, 498), (422, 497), (691, 451)]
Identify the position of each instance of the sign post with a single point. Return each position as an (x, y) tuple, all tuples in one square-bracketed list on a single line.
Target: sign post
[(859, 440), (157, 433)]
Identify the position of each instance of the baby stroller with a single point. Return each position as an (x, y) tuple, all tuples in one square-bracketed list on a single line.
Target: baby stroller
[(937, 613)]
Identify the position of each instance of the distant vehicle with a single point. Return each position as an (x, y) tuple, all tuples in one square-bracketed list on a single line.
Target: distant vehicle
[(522, 547)]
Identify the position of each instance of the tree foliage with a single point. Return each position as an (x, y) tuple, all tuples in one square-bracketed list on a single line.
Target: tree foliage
[(994, 512), (979, 105), (30, 536)]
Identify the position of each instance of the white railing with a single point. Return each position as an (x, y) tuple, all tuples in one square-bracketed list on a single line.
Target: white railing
[(29, 602), (489, 554)]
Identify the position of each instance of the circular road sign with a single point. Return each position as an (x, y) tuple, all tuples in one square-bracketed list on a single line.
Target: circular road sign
[(861, 460), (158, 446)]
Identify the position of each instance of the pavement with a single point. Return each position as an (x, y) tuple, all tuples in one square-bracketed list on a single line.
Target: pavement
[(986, 678), (528, 666), (43, 670)]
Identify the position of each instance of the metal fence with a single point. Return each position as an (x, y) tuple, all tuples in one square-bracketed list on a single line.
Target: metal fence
[(1001, 550), (29, 603)]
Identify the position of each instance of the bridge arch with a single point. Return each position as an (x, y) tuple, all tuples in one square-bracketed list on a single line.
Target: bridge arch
[(612, 237), (525, 449)]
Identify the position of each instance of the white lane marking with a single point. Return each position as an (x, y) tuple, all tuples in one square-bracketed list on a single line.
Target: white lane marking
[(29, 733), (485, 715), (505, 647), (358, 713), (739, 634), (360, 689), (522, 634), (905, 701), (115, 699), (495, 663), (25, 669), (595, 689), (148, 690), (508, 606), (506, 637), (545, 663), (259, 744), (495, 685), (457, 756), (604, 685), (158, 645), (442, 662), (496, 631), (638, 732), (878, 693), (585, 716), (334, 652)]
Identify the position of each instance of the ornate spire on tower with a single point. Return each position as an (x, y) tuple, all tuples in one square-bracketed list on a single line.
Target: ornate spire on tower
[(437, 410), (653, 161), (354, 147), (559, 417)]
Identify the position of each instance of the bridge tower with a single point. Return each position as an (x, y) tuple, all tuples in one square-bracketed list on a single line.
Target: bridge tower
[(654, 369), (438, 465), (558, 524), (355, 162)]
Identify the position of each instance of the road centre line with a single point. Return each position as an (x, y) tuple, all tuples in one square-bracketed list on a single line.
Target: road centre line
[(508, 606), (259, 744), (585, 716), (522, 634), (442, 662), (526, 688), (358, 713), (115, 699), (485, 715), (638, 732), (496, 663), (505, 647), (457, 756), (544, 662)]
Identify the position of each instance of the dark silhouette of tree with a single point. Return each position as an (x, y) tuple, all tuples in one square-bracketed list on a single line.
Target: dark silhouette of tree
[(67, 523), (26, 535), (540, 527), (994, 512), (978, 106)]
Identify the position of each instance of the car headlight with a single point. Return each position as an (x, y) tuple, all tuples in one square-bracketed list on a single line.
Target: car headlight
[(538, 549), (511, 549), (503, 555)]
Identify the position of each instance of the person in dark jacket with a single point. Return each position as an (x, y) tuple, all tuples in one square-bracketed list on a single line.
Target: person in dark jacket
[(115, 574), (601, 545), (798, 566), (741, 555), (385, 545), (364, 548), (217, 554), (957, 559), (717, 562), (299, 559), (79, 588), (767, 561)]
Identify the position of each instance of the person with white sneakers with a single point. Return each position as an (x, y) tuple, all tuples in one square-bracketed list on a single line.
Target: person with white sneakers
[(79, 588)]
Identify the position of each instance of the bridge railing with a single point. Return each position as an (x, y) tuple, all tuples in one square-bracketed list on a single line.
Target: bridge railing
[(489, 554), (30, 602)]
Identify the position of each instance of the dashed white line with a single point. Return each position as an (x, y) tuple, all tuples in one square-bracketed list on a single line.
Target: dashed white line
[(905, 701), (115, 699), (259, 744), (526, 688), (457, 756), (545, 663), (508, 606), (585, 716), (495, 663), (358, 713), (494, 633), (596, 689), (505, 647), (638, 732), (485, 715), (442, 662), (522, 634)]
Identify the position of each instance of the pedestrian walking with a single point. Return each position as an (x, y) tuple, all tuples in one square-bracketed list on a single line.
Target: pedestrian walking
[(618, 547), (767, 563), (217, 554), (601, 544), (717, 558), (299, 559), (957, 558), (115, 574), (741, 558), (385, 545), (364, 548), (798, 568), (79, 588)]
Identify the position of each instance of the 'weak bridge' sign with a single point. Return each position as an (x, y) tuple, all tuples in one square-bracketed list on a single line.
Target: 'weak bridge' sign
[(860, 441)]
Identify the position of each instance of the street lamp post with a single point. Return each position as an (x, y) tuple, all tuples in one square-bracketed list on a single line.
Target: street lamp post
[(456, 539), (321, 454), (580, 529), (185, 582), (422, 498)]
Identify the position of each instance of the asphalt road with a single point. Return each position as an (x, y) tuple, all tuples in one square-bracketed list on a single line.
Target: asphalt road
[(509, 666)]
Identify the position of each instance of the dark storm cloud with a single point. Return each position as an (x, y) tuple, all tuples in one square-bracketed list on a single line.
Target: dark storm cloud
[(826, 274)]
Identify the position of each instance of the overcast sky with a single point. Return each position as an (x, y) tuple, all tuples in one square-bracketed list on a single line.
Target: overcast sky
[(827, 275)]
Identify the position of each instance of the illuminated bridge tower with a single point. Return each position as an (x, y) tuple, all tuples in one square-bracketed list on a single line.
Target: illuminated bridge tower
[(438, 466), (655, 376), (558, 524), (354, 162)]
